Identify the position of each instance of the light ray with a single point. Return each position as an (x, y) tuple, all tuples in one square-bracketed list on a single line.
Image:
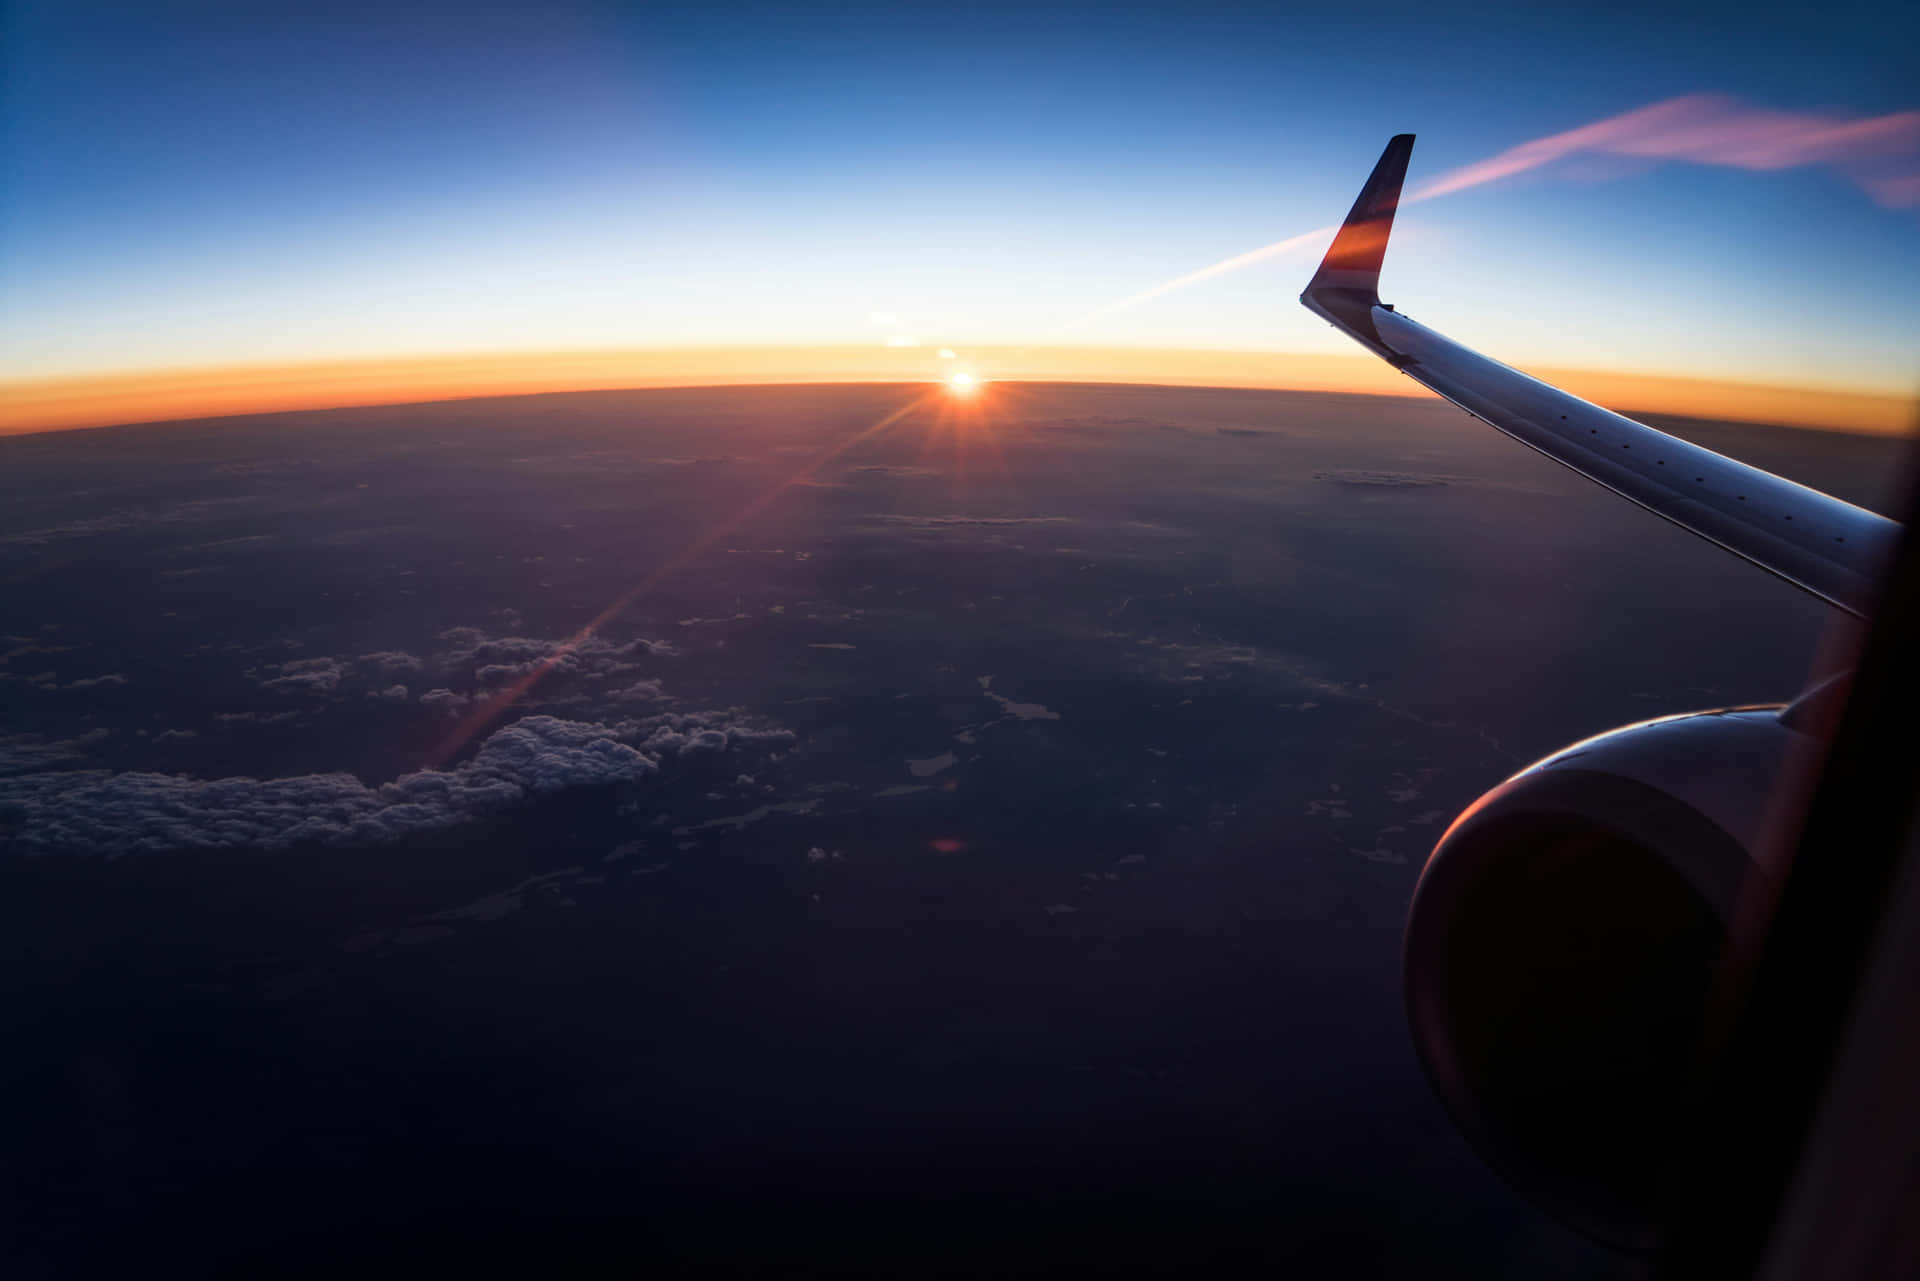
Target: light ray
[(488, 710)]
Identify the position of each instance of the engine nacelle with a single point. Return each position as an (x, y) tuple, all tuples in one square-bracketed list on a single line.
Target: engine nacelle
[(1561, 943)]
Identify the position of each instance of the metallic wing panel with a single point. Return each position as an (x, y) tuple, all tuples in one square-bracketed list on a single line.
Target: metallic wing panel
[(1823, 545)]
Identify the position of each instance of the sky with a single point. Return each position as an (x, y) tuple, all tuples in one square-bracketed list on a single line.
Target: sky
[(1724, 195)]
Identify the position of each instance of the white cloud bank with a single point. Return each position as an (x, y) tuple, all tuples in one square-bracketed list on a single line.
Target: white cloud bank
[(105, 813)]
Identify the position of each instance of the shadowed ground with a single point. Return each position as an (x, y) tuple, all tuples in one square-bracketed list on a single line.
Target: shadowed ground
[(981, 846)]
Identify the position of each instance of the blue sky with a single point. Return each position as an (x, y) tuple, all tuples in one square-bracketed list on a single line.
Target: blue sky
[(212, 183)]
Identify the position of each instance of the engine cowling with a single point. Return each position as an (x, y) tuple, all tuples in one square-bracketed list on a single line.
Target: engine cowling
[(1561, 943)]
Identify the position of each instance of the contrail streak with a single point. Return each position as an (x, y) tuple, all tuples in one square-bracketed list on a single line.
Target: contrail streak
[(1274, 250), (1879, 155)]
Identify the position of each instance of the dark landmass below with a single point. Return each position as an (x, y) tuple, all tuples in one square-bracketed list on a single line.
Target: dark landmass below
[(979, 846)]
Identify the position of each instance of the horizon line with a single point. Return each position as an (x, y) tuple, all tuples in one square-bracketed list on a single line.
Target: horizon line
[(66, 402)]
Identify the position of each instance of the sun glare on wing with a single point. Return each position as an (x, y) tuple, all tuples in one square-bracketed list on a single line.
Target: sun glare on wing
[(963, 384)]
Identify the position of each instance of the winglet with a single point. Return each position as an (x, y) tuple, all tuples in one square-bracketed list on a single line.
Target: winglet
[(1354, 260), (1829, 548), (1346, 289)]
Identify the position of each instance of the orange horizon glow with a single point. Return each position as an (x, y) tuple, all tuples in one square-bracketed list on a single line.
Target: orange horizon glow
[(112, 399)]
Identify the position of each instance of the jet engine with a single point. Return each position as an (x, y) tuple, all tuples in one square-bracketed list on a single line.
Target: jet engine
[(1562, 940)]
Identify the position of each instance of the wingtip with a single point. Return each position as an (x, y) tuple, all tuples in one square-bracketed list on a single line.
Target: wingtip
[(1353, 262)]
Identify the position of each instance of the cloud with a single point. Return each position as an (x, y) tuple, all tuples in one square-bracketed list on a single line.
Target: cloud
[(446, 699), (674, 733), (902, 340), (932, 765), (97, 682), (739, 822), (895, 469), (1021, 711), (129, 519), (24, 645), (318, 677), (1379, 854), (641, 692), (470, 653), (26, 753), (104, 813), (499, 658), (480, 911), (274, 719), (1384, 479), (470, 643), (936, 522)]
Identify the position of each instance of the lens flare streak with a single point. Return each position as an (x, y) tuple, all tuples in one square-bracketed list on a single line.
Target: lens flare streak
[(486, 711)]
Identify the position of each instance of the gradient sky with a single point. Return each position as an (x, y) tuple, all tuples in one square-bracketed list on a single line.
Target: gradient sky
[(200, 183)]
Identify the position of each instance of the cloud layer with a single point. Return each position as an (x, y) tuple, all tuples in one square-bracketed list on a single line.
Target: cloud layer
[(102, 812)]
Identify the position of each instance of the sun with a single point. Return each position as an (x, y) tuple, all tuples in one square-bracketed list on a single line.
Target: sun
[(962, 384)]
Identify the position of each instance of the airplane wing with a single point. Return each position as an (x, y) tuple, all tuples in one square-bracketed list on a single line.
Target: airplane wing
[(1820, 544)]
